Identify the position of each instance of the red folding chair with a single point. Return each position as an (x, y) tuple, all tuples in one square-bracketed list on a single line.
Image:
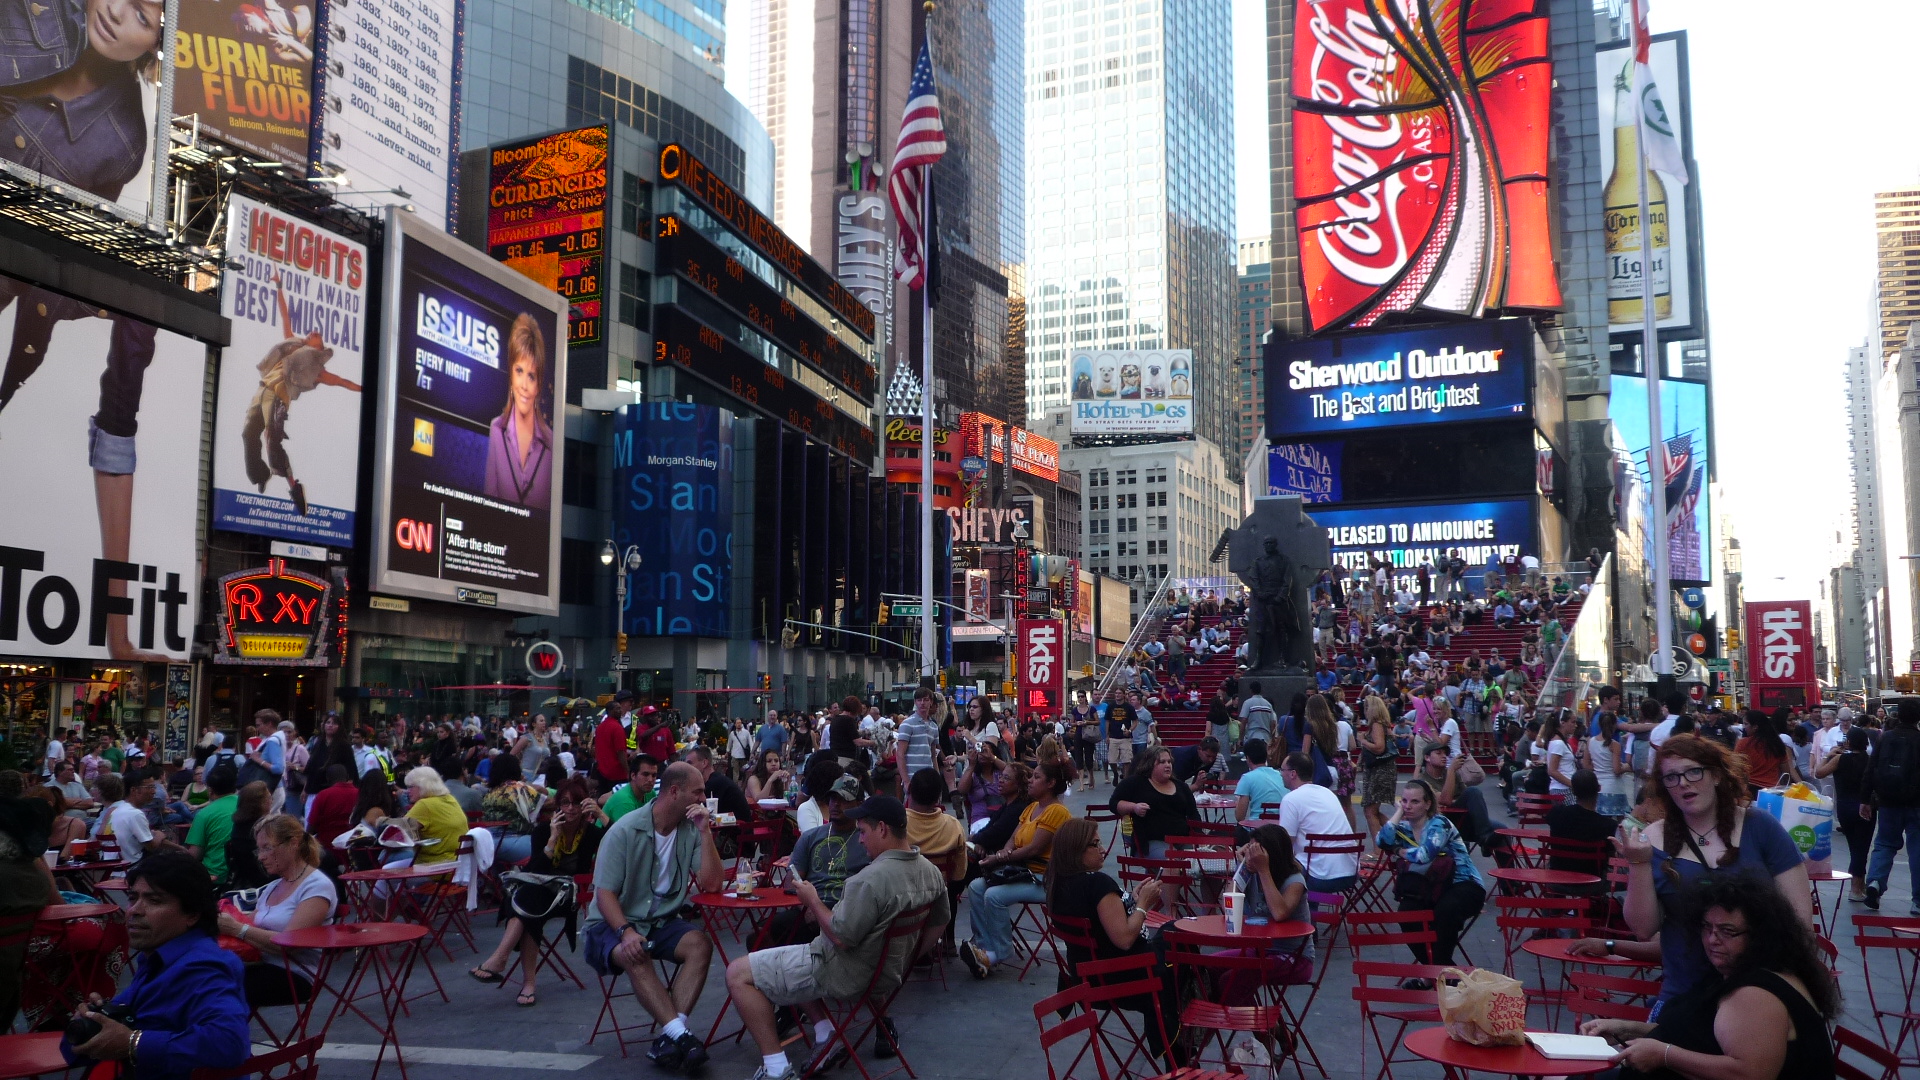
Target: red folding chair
[(447, 902), (1208, 1023), (1533, 808), (1033, 938), (1891, 996), (295, 1062), (1351, 844), (875, 1001), (1377, 988), (1180, 884), (1523, 918), (1080, 1023), (1111, 989), (943, 949), (1620, 989), (1101, 819), (1883, 1064)]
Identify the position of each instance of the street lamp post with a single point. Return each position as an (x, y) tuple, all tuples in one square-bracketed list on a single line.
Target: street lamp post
[(630, 562)]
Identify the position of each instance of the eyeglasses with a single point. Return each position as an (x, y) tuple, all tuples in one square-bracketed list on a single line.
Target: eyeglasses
[(1722, 931), (1690, 776)]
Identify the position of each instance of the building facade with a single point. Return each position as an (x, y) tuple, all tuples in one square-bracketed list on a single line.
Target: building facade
[(1867, 525), (1129, 117), (1896, 284), (1250, 324)]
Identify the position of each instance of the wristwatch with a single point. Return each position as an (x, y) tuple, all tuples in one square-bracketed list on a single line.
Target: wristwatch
[(1610, 943)]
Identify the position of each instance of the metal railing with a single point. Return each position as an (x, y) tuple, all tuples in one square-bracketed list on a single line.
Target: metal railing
[(1586, 658), (1152, 610)]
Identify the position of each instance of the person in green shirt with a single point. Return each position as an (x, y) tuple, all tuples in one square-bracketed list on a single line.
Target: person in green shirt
[(641, 770), (213, 824)]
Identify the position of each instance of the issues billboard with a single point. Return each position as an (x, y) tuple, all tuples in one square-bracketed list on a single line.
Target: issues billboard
[(1434, 375), (98, 559), (290, 383), (467, 459), (1132, 393), (1420, 139), (673, 479)]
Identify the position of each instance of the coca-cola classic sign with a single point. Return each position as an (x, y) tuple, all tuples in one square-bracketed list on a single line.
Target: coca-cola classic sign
[(1420, 138)]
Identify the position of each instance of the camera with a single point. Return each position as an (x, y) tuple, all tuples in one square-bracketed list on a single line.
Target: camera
[(82, 1029)]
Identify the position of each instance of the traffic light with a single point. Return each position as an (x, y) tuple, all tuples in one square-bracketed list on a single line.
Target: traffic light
[(620, 642), (943, 680), (1006, 688), (766, 682), (886, 611)]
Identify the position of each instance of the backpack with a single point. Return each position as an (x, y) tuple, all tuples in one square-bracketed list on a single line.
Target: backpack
[(1896, 769)]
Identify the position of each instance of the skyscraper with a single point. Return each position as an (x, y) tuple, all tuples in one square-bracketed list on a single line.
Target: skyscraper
[(1250, 322), (1129, 123), (1896, 221)]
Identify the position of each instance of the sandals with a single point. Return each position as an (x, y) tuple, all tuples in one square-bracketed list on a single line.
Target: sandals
[(485, 975), (527, 999)]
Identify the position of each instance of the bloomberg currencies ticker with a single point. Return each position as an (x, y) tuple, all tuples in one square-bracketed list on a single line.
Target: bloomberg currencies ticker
[(1437, 375), (673, 475), (474, 357), (1411, 535)]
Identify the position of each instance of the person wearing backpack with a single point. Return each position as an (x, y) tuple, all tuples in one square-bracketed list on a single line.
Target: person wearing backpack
[(1892, 794)]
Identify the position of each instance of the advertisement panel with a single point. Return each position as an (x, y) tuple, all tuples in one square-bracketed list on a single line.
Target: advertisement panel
[(1116, 610), (1132, 393), (673, 475), (1041, 659), (1407, 536), (547, 216), (1686, 444), (1668, 207), (1433, 375), (245, 72), (467, 460), (1310, 470), (1420, 146), (1083, 606), (390, 84), (1780, 660), (1033, 454), (290, 382), (274, 615), (979, 602), (98, 558)]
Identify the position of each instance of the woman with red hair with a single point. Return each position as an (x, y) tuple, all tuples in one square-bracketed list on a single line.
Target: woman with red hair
[(1701, 823)]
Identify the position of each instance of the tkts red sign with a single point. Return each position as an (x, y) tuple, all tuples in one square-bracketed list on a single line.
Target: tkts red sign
[(1420, 133), (1042, 659)]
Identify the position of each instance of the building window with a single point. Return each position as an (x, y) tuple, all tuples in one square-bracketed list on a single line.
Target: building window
[(579, 562), (581, 486), (636, 205), (636, 286)]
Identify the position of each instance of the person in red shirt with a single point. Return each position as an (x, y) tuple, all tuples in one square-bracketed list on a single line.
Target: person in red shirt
[(610, 743), (332, 811)]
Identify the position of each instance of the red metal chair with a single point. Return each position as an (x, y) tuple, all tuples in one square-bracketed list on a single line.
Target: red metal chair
[(1892, 996), (295, 1062), (1522, 918), (1845, 1039), (1080, 1023), (1533, 808), (1179, 882), (1033, 938), (1111, 989), (1101, 819), (874, 1001), (1208, 1023), (1377, 987), (1620, 989)]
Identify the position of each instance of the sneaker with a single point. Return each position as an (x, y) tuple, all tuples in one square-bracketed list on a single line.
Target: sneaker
[(761, 1073), (693, 1053), (1872, 899), (665, 1053), (826, 1057), (976, 959), (886, 1040)]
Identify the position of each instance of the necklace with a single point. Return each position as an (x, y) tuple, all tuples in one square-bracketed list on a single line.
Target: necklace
[(1700, 838)]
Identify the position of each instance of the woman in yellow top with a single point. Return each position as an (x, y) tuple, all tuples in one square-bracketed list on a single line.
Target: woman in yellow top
[(439, 815), (1011, 875)]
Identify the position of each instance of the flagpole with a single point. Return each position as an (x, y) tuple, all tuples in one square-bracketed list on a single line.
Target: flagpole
[(1650, 362), (929, 625)]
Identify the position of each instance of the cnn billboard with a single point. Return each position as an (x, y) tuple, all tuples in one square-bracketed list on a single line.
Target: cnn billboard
[(1041, 658), (1780, 663)]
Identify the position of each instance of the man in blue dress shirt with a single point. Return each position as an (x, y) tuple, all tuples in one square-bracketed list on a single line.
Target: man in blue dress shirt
[(189, 1009)]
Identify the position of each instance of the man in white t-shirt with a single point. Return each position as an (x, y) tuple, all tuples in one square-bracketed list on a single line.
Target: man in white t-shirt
[(1653, 712), (1312, 810), (123, 821), (56, 752)]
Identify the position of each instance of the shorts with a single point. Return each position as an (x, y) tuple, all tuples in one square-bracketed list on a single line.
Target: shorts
[(1377, 783), (662, 940), (787, 974), (1119, 751)]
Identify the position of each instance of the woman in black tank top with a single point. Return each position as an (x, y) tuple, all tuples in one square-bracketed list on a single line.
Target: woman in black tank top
[(1768, 1008)]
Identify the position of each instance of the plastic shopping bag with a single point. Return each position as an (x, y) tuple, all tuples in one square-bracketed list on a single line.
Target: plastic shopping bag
[(1484, 1008), (1808, 818)]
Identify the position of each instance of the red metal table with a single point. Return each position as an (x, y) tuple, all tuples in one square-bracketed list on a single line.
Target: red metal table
[(85, 874), (56, 922), (22, 1056), (1534, 880), (1216, 807), (1829, 916), (428, 907), (368, 941), (1457, 1057), (757, 911), (1558, 949)]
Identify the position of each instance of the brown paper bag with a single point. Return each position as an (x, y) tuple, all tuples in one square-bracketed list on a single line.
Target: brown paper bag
[(1484, 1008)]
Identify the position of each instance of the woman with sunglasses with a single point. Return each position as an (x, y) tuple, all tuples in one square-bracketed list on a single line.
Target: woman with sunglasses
[(1764, 1016), (1700, 825)]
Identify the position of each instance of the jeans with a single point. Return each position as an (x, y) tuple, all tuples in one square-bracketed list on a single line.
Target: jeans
[(1155, 849), (513, 848), (1898, 824), (991, 913)]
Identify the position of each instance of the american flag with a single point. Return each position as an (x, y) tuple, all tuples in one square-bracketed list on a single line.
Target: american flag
[(1679, 464), (923, 139)]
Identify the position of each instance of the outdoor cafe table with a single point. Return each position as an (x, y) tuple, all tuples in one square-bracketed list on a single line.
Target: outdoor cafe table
[(1524, 879), (85, 874), (366, 940), (1457, 1057), (1561, 949), (1216, 807), (430, 909), (1829, 914), (56, 922), (22, 1056), (757, 910)]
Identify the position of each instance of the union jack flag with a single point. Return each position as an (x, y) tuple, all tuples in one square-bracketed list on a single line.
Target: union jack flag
[(923, 139)]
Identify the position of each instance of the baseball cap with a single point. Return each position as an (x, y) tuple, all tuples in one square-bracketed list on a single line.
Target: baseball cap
[(623, 695), (885, 809), (847, 788)]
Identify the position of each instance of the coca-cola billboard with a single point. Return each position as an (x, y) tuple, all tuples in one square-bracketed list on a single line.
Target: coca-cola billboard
[(1420, 138), (1780, 664), (1041, 656)]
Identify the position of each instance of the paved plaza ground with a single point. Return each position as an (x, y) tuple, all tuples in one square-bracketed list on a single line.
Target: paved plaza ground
[(967, 1031)]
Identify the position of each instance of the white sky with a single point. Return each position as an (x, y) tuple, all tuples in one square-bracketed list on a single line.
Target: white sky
[(1798, 118)]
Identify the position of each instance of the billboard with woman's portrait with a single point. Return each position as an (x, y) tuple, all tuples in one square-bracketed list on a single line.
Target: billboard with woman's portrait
[(468, 456)]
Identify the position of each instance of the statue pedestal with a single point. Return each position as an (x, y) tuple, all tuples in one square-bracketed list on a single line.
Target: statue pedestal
[(1279, 689)]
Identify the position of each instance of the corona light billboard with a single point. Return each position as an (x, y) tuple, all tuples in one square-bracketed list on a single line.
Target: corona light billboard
[(1420, 137)]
